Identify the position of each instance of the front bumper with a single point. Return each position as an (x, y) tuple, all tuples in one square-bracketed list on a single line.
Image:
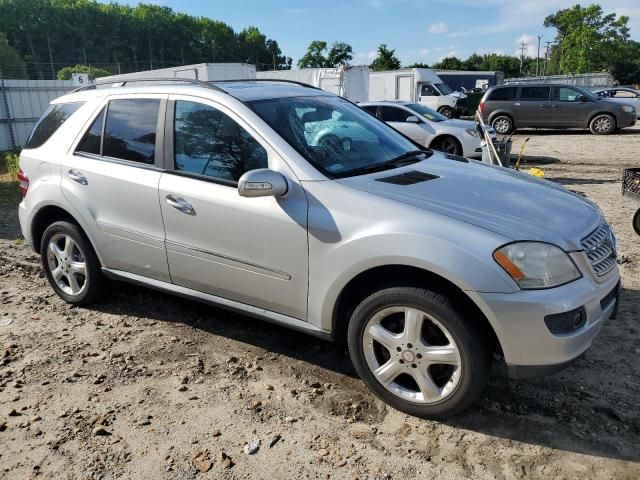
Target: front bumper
[(627, 119), (529, 348)]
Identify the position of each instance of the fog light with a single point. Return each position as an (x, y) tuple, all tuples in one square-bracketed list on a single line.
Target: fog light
[(567, 322)]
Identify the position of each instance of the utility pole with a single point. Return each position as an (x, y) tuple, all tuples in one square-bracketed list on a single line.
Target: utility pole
[(538, 57), (546, 55), (523, 47)]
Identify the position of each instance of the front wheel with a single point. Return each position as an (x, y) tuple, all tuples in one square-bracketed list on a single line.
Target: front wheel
[(417, 352), (636, 222), (448, 144), (602, 124)]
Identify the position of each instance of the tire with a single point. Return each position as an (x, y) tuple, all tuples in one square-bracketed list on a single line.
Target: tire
[(602, 124), (502, 124), (70, 264), (636, 222), (446, 111), (447, 144), (461, 344)]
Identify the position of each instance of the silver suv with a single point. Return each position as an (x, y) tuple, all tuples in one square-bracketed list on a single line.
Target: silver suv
[(296, 206)]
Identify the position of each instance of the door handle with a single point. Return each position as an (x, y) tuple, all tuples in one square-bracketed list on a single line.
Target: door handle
[(77, 177), (179, 204)]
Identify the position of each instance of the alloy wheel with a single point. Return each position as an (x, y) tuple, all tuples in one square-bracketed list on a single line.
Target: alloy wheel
[(602, 124), (502, 125), (412, 354), (67, 264)]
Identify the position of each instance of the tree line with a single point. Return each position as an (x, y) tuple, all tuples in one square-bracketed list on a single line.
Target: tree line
[(45, 36)]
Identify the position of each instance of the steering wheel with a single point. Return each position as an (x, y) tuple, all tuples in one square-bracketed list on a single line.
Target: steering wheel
[(333, 144)]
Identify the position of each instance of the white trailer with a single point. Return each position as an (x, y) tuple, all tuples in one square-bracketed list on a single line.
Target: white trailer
[(351, 83), (415, 85), (201, 71)]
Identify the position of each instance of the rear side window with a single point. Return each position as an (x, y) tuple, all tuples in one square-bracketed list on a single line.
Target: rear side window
[(507, 93), (130, 131), (535, 93), (394, 114), (92, 139), (51, 120), (372, 109)]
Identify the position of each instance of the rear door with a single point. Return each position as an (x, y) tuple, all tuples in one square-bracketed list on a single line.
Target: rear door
[(111, 177), (404, 87), (534, 107), (397, 118)]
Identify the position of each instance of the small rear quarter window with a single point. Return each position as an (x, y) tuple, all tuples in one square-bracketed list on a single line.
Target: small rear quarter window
[(507, 93), (51, 120)]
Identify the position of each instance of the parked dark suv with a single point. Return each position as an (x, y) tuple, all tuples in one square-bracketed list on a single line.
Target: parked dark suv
[(508, 107)]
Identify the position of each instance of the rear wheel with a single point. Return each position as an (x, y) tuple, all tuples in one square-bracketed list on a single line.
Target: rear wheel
[(70, 263), (446, 111), (502, 124), (448, 144), (417, 352), (636, 222), (602, 124)]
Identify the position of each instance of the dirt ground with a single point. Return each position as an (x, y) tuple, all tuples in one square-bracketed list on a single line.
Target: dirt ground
[(147, 386)]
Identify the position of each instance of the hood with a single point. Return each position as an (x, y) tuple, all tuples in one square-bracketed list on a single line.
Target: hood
[(513, 204), (458, 94)]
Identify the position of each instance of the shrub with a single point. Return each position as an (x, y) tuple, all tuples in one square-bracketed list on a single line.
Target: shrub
[(11, 165)]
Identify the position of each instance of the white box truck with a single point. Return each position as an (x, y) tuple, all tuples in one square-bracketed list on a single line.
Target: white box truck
[(202, 71), (416, 85), (351, 83)]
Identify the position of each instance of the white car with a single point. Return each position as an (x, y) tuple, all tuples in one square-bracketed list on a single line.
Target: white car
[(429, 128), (628, 96)]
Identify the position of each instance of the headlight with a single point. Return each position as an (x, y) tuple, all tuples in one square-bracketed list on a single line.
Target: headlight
[(536, 265), (627, 108), (472, 132)]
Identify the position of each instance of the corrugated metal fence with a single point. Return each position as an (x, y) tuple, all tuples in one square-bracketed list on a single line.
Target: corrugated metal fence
[(21, 104), (590, 81)]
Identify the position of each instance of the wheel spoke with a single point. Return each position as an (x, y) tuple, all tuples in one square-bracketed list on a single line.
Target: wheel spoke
[(73, 283), (56, 273), (383, 336), (78, 268), (68, 246), (412, 326), (388, 372), (55, 249), (446, 354), (427, 386)]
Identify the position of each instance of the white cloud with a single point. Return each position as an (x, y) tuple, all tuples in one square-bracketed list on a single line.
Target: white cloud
[(438, 28), (530, 44), (361, 56)]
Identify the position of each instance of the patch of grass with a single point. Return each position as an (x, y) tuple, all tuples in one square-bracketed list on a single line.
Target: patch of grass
[(8, 190), (9, 164)]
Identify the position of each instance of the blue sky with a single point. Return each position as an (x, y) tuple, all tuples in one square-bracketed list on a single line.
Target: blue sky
[(419, 30)]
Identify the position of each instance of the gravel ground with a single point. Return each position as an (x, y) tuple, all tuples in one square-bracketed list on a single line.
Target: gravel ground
[(144, 385)]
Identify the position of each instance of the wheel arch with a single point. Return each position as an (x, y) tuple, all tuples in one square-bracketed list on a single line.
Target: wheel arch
[(48, 214), (501, 113), (372, 279), (601, 112)]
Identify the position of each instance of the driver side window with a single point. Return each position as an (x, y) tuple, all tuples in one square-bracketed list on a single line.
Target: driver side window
[(429, 91), (209, 142)]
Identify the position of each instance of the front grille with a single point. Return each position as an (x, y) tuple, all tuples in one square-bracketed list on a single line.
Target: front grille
[(600, 249)]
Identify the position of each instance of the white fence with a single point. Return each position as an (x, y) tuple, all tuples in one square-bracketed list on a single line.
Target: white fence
[(21, 104), (591, 81)]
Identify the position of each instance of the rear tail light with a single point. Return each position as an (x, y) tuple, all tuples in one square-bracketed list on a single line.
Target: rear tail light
[(481, 107), (23, 186)]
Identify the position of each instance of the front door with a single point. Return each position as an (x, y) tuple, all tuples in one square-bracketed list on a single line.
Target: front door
[(397, 118), (250, 250), (112, 182), (570, 110)]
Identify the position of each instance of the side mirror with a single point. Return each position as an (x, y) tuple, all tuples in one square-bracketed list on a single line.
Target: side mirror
[(262, 183), (412, 119)]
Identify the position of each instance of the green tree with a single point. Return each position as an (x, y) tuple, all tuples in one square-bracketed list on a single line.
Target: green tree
[(449, 63), (66, 72), (586, 39), (314, 57), (11, 65), (386, 59), (340, 55), (418, 65)]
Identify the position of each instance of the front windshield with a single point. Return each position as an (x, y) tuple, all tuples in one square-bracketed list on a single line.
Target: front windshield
[(334, 135), (444, 88), (427, 113)]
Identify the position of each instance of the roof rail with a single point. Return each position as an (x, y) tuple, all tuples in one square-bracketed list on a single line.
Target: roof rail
[(122, 83), (301, 84)]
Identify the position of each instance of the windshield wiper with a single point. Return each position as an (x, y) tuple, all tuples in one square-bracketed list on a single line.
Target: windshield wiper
[(406, 158)]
